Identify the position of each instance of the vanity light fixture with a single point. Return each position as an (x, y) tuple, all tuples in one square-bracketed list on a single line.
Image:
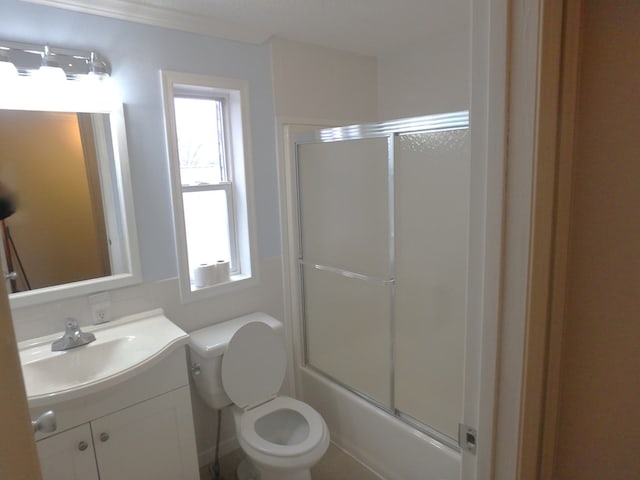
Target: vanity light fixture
[(28, 59), (7, 69), (50, 69)]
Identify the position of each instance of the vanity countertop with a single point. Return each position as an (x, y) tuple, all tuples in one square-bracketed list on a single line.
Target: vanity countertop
[(123, 348)]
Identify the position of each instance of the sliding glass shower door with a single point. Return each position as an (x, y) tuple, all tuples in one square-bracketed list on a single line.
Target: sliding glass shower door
[(345, 242), (383, 240), (432, 218)]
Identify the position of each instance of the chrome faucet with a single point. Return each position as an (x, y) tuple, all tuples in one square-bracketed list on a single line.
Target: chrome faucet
[(73, 337)]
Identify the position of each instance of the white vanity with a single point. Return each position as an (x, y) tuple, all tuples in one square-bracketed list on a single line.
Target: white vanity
[(122, 403)]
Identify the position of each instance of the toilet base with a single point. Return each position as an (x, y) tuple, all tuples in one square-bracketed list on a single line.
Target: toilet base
[(247, 471)]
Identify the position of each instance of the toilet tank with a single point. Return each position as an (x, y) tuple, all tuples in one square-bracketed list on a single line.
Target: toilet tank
[(206, 347)]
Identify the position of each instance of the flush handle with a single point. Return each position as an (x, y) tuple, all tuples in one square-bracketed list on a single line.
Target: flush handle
[(104, 436), (82, 446)]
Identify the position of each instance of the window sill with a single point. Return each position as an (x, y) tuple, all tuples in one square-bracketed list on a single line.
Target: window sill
[(235, 284)]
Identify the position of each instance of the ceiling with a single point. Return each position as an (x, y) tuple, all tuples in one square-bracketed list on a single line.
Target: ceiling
[(371, 27)]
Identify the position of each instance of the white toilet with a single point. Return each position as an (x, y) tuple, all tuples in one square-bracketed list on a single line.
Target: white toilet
[(243, 362)]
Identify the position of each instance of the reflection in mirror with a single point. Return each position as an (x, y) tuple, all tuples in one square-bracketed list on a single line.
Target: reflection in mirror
[(57, 233), (72, 230)]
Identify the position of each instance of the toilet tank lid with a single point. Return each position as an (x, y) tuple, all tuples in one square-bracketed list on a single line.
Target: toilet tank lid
[(212, 341)]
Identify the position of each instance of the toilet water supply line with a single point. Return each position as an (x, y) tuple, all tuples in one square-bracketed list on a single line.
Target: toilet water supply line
[(216, 461)]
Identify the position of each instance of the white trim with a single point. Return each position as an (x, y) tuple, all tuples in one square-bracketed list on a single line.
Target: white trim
[(237, 92), (162, 17), (288, 235), (488, 139), (523, 95)]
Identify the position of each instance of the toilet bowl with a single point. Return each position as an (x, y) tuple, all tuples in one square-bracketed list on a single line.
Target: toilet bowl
[(243, 362)]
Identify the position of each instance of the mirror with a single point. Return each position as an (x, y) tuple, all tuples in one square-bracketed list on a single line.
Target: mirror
[(65, 167)]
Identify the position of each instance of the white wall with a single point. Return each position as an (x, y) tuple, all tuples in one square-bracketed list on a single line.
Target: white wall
[(432, 77), (312, 82)]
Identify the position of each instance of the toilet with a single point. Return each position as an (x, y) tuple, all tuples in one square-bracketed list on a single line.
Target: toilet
[(242, 362)]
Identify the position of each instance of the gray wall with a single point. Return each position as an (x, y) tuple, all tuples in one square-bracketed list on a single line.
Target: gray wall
[(137, 53)]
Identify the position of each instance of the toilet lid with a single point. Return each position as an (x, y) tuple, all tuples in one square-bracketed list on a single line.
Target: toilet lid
[(253, 365)]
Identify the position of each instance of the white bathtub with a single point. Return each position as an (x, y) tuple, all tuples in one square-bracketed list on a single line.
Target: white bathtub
[(388, 446)]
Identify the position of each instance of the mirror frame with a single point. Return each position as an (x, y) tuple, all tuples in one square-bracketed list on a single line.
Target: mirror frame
[(82, 96)]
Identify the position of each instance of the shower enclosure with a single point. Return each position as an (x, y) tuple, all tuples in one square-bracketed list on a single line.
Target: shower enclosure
[(383, 229)]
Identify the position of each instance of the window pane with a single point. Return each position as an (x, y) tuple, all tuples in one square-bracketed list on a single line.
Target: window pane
[(200, 140), (207, 227)]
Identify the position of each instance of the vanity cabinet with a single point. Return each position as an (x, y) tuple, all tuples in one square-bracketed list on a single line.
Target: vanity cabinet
[(140, 429), (149, 440), (68, 455)]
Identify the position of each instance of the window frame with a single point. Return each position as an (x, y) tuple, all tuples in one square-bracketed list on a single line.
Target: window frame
[(238, 186)]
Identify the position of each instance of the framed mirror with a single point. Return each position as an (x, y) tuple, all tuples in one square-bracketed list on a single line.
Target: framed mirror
[(64, 166)]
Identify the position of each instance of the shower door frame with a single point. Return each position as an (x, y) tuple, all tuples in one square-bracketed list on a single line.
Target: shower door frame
[(389, 130)]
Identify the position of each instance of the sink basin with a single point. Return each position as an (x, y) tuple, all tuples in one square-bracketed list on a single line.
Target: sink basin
[(122, 349)]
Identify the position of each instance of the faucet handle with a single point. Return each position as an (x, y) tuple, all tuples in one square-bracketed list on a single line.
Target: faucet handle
[(72, 337), (70, 322)]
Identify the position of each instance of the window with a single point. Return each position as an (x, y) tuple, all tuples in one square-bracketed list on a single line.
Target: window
[(206, 123)]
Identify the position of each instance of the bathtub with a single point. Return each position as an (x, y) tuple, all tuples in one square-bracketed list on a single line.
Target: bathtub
[(391, 448)]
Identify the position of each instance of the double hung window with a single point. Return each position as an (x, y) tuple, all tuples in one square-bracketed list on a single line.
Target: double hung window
[(206, 128)]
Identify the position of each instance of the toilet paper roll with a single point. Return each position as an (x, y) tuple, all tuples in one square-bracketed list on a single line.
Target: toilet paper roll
[(222, 271), (205, 275)]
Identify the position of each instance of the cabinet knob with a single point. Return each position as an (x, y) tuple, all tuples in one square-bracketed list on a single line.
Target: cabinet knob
[(45, 423), (104, 436), (82, 446)]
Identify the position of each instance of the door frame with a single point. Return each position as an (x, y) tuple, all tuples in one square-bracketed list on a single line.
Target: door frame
[(18, 457), (558, 63)]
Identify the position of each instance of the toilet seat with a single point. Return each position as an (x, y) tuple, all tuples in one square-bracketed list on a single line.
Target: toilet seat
[(253, 365), (315, 423)]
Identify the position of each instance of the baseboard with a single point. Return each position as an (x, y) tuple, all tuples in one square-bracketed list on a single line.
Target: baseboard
[(207, 456)]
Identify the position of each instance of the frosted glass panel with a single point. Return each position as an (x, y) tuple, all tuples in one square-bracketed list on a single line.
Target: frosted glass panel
[(343, 188), (432, 218), (347, 329)]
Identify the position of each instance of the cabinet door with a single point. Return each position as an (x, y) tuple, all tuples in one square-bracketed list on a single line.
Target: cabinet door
[(153, 439), (68, 455)]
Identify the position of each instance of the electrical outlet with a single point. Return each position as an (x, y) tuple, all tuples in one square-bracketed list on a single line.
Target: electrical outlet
[(100, 305)]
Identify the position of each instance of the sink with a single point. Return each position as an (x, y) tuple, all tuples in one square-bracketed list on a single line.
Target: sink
[(122, 349)]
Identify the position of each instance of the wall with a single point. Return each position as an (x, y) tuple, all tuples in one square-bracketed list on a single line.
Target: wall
[(137, 53), (599, 425), (312, 82), (432, 77)]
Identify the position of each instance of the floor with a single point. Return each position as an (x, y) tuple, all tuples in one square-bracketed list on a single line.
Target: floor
[(335, 465)]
